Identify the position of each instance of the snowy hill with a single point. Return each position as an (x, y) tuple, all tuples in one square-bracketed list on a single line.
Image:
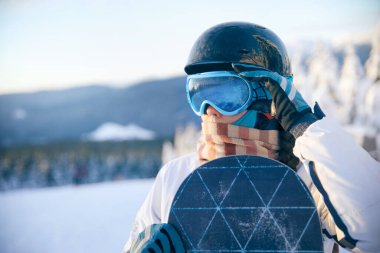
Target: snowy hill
[(95, 218), (110, 131)]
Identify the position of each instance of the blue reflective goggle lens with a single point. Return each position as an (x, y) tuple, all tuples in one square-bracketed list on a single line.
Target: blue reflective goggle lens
[(226, 91)]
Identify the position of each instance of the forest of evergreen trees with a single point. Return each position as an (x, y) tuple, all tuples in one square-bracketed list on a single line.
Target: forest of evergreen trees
[(67, 163)]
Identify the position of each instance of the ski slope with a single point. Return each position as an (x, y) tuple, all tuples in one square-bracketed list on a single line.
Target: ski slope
[(92, 218)]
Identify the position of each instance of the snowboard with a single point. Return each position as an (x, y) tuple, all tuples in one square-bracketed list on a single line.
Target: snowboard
[(245, 204)]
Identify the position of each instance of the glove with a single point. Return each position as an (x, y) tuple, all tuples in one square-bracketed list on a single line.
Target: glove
[(288, 106), (158, 238)]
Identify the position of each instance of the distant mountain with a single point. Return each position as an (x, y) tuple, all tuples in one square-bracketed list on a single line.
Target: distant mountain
[(159, 106)]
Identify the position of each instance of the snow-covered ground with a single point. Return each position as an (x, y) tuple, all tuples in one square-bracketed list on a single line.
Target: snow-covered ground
[(93, 218)]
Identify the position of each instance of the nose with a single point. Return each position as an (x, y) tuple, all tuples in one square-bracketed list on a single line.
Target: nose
[(211, 111)]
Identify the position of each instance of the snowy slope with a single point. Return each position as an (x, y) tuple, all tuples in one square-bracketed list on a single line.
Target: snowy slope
[(94, 218), (110, 131)]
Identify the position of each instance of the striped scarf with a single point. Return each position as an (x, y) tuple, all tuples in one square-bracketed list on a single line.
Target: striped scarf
[(220, 138)]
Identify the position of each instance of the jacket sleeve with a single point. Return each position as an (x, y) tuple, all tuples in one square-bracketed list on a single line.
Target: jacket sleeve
[(149, 213), (345, 185)]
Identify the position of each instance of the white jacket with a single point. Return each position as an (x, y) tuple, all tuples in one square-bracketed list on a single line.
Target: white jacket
[(341, 176)]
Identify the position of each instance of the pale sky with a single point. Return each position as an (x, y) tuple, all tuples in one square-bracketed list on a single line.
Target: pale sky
[(52, 44)]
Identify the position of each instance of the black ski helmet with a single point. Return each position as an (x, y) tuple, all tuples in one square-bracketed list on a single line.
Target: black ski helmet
[(238, 42)]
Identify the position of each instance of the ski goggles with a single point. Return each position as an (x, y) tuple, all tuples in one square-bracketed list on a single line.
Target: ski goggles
[(226, 91)]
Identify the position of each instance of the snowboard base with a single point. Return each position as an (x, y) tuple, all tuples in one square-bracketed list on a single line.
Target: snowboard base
[(246, 204)]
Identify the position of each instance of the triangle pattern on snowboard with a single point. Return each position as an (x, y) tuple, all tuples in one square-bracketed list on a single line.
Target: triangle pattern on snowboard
[(242, 222), (242, 194), (267, 236), (193, 224), (194, 194), (266, 183), (291, 193), (218, 181), (219, 236), (245, 203), (292, 223), (310, 240)]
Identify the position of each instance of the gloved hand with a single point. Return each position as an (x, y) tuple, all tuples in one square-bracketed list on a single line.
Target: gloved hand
[(158, 238), (288, 106)]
